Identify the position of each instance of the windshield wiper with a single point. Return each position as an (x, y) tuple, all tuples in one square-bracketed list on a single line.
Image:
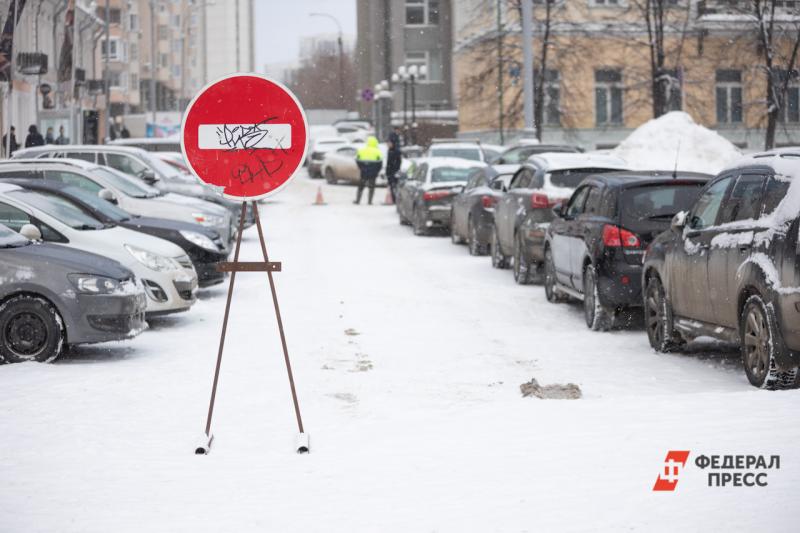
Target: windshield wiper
[(83, 227), (658, 217)]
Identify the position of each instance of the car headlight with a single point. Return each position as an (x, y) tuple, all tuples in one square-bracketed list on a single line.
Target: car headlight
[(208, 220), (152, 261), (89, 284), (198, 239)]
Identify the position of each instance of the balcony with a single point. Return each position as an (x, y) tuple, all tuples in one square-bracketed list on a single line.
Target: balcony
[(32, 63)]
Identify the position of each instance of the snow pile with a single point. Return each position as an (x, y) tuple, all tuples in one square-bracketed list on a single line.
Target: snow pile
[(655, 144), (556, 391)]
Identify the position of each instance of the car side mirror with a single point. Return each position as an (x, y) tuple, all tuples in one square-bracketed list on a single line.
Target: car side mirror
[(30, 232), (108, 196), (458, 189), (678, 222), (557, 210), (149, 176)]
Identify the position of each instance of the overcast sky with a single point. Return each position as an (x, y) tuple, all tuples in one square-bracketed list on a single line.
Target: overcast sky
[(280, 24)]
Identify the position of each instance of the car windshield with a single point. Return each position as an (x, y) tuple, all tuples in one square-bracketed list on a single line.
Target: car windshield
[(126, 185), (95, 202), (59, 208), (441, 174), (473, 154), (571, 178), (11, 239), (638, 205), (163, 170)]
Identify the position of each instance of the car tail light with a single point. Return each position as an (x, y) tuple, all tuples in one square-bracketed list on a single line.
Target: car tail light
[(615, 237), (488, 201), (540, 201), (436, 195)]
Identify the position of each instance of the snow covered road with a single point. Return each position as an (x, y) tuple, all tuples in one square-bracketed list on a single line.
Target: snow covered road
[(408, 355)]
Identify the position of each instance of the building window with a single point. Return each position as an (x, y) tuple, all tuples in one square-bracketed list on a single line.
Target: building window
[(729, 96), (608, 96), (163, 32), (177, 45), (133, 51), (164, 62), (422, 12), (116, 79), (176, 71), (674, 90), (134, 81), (133, 22), (419, 60), (790, 110), (176, 21), (113, 48), (605, 2), (552, 98)]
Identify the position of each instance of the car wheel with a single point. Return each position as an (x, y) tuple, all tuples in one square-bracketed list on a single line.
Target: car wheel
[(418, 223), (474, 243), (658, 318), (330, 176), (761, 342), (30, 330), (522, 268), (598, 317), (550, 291), (455, 238), (498, 259)]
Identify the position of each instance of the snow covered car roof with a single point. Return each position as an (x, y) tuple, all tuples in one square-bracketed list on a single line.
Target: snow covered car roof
[(6, 187), (456, 162), (566, 161)]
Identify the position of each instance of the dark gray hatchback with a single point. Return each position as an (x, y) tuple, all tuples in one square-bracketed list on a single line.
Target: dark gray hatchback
[(730, 269), (51, 296)]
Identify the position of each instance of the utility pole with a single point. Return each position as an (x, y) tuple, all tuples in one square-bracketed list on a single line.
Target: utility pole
[(527, 65), (106, 72), (11, 81), (500, 70), (153, 67)]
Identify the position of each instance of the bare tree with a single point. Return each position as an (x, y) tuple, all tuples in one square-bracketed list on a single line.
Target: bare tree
[(317, 81)]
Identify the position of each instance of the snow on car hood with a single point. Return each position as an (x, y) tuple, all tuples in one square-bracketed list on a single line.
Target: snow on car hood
[(199, 203), (146, 242)]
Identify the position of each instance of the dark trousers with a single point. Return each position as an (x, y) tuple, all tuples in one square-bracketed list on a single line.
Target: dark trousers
[(393, 187), (366, 182)]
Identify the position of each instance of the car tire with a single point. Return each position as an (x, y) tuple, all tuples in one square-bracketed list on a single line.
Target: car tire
[(658, 318), (455, 238), (522, 269), (550, 291), (330, 176), (30, 330), (418, 223), (598, 317), (761, 341), (498, 259), (474, 243)]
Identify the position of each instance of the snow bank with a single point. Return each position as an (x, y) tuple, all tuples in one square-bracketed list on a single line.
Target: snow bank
[(655, 144)]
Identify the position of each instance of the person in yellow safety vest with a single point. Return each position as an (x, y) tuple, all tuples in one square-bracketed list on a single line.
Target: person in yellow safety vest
[(369, 161)]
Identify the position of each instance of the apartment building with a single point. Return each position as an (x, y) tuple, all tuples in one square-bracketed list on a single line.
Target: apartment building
[(597, 80)]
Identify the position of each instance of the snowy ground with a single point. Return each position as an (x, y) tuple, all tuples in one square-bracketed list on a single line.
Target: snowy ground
[(416, 421)]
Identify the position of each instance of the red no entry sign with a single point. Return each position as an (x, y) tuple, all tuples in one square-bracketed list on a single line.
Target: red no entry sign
[(246, 134)]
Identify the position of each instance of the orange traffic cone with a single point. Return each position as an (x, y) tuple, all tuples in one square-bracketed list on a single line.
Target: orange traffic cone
[(388, 200), (319, 200)]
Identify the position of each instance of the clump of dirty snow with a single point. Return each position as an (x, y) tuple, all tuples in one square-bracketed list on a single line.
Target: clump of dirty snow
[(570, 391), (657, 143)]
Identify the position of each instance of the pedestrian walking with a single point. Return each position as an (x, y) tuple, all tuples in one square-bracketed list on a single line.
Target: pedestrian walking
[(14, 144), (368, 159), (61, 139), (393, 161), (125, 133), (49, 137), (34, 138)]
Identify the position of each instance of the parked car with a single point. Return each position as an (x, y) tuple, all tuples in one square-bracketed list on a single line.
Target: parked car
[(595, 245), (52, 297), (459, 148), (424, 198), (140, 164), (132, 195), (164, 269), (340, 165), (492, 151), (318, 149), (522, 150), (525, 210), (730, 269), (203, 246), (151, 144), (472, 217)]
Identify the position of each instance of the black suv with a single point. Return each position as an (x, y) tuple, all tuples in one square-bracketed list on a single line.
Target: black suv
[(595, 245), (730, 269)]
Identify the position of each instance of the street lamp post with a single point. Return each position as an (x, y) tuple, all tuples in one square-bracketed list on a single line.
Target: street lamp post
[(341, 50)]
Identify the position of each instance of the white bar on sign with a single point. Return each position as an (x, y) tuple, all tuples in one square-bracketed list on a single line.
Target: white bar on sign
[(244, 136)]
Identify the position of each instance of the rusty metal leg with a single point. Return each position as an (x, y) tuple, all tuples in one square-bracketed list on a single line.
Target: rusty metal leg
[(280, 321), (225, 322)]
